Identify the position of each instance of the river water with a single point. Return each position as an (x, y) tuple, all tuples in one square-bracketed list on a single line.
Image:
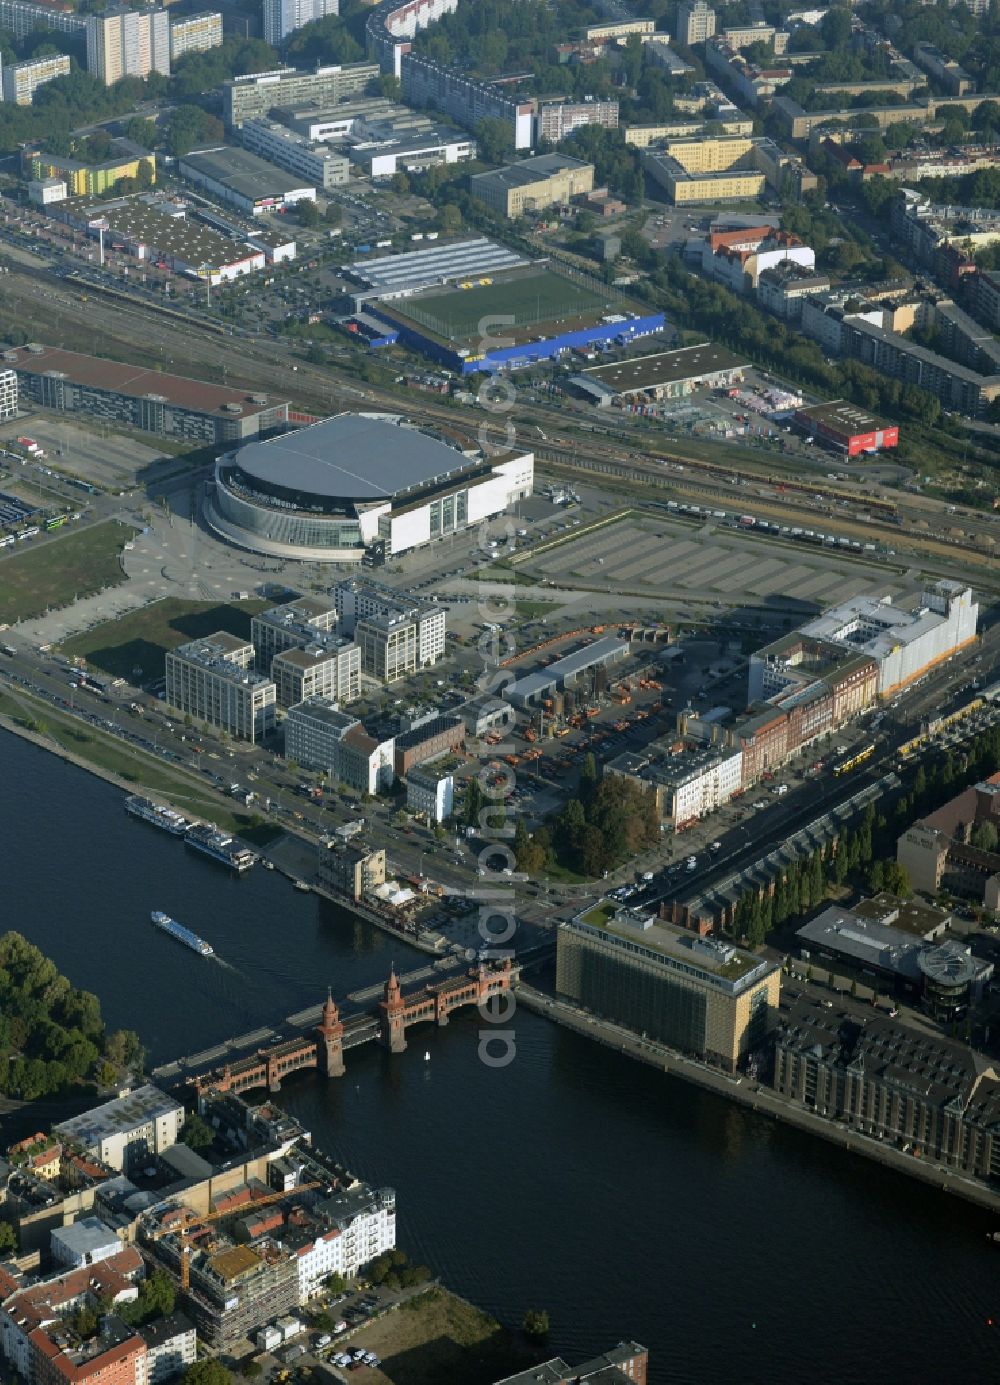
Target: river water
[(626, 1203)]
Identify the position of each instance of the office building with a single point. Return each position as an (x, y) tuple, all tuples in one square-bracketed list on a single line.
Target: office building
[(316, 164), (128, 43), (899, 1085), (385, 609), (350, 868), (905, 644), (699, 995), (283, 17), (258, 93), (125, 1132), (430, 792), (152, 400), (292, 625), (382, 148), (533, 184), (428, 740), (195, 33), (939, 851), (318, 670), (695, 22), (556, 120), (20, 18), (22, 80), (211, 680), (430, 84), (321, 737)]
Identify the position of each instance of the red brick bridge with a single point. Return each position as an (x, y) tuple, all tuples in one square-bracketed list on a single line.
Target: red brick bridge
[(387, 1024)]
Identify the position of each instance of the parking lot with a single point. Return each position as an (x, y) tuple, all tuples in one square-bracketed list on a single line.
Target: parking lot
[(701, 558), (108, 459)]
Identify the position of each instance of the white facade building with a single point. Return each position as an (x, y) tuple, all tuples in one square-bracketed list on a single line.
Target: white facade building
[(316, 163), (128, 43), (8, 394), (904, 644), (212, 680), (693, 790), (376, 605), (283, 17), (83, 1242), (123, 1133), (430, 792)]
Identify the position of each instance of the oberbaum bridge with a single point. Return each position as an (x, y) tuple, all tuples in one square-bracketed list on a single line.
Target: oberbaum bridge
[(385, 1023)]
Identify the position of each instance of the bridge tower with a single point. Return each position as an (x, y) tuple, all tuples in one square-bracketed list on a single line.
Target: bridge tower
[(392, 1029), (330, 1040)]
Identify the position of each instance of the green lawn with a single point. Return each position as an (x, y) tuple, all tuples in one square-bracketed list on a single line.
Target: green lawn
[(140, 639), (62, 570)]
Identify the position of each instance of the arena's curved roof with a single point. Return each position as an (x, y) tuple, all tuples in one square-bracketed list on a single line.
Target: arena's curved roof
[(351, 456)]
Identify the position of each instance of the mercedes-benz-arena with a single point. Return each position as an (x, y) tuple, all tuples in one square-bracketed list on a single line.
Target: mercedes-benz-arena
[(357, 484)]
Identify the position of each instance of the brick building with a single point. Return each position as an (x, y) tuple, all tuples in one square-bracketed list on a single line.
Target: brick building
[(439, 736)]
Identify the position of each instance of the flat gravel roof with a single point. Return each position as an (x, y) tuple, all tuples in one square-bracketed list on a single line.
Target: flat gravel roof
[(351, 456)]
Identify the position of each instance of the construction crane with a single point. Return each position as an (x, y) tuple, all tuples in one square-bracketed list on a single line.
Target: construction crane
[(192, 1228)]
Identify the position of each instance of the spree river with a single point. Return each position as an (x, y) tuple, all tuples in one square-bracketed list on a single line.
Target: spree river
[(626, 1203)]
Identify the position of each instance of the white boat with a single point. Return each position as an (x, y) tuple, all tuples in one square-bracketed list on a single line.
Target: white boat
[(182, 934), (427, 1056)]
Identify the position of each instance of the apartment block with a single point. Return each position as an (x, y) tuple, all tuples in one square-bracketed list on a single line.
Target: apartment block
[(258, 93), (8, 393), (533, 184), (283, 17), (22, 80), (316, 163), (699, 995), (21, 18), (128, 43), (957, 387), (695, 22), (557, 119), (211, 680), (429, 84), (195, 33)]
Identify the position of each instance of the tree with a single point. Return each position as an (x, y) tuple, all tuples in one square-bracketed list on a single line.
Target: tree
[(252, 1370), (207, 1372), (495, 139), (535, 1324), (334, 214), (307, 212), (400, 183), (984, 836), (474, 801), (449, 219), (336, 1283), (196, 1133), (8, 1238)]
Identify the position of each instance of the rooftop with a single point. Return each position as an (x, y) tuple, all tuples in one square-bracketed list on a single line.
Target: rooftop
[(841, 416), (325, 711), (137, 381), (710, 959), (244, 173), (118, 1117), (648, 372), (528, 171), (599, 651), (364, 456)]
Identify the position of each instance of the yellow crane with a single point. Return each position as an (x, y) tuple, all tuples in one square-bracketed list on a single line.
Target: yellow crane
[(192, 1228)]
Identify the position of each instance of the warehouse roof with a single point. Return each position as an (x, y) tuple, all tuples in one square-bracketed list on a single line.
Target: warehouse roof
[(602, 651), (244, 173), (136, 381), (841, 417), (434, 265), (357, 455), (647, 372)]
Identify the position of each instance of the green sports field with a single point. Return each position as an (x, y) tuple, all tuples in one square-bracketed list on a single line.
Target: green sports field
[(457, 314)]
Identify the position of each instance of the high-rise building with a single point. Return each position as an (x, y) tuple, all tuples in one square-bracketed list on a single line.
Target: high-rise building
[(21, 80), (695, 22), (8, 393), (283, 17), (128, 43), (194, 33), (211, 680), (21, 18)]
